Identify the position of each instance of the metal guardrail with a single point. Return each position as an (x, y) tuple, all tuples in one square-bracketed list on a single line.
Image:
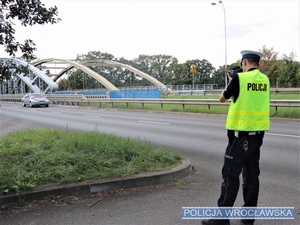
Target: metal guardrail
[(183, 102), (79, 99)]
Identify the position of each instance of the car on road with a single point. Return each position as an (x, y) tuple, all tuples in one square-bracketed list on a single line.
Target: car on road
[(35, 99)]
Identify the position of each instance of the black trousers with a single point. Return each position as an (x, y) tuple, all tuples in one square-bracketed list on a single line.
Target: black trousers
[(241, 156)]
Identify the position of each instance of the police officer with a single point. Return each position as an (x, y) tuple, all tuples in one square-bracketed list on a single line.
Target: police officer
[(247, 120)]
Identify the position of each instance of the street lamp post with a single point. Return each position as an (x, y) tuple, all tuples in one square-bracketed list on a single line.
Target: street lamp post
[(220, 3)]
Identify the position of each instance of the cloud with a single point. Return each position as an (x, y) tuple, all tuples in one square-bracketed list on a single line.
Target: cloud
[(181, 28)]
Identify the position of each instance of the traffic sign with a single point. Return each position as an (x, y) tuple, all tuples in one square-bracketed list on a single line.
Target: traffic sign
[(193, 69)]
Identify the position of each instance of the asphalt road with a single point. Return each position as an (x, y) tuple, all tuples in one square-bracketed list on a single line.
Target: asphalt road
[(201, 138)]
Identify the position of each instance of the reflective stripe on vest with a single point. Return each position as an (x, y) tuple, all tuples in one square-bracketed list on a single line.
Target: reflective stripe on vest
[(251, 111)]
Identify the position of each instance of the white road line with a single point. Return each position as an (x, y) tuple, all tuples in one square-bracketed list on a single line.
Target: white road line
[(58, 112), (93, 116), (153, 122), (283, 135)]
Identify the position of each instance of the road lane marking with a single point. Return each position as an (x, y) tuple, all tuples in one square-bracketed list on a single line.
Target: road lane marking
[(93, 116), (153, 122), (59, 112), (283, 135)]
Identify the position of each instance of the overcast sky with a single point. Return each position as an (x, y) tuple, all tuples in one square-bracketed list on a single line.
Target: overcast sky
[(181, 28)]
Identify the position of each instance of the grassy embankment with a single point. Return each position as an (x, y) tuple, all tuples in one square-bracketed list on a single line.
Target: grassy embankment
[(41, 157)]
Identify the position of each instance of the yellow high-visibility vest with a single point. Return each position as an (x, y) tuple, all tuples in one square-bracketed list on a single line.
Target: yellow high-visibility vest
[(251, 111)]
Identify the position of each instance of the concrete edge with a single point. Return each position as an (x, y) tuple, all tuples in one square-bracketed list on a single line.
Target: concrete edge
[(140, 180)]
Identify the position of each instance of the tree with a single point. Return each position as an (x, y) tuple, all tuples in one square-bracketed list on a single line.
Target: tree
[(126, 78), (218, 77), (63, 84), (29, 13), (95, 55), (179, 74), (270, 65), (289, 72), (204, 71), (158, 66)]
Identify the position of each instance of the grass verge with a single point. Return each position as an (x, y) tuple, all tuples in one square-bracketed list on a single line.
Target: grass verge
[(41, 156), (282, 112)]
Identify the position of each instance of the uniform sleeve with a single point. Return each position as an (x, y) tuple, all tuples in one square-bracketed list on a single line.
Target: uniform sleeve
[(232, 89)]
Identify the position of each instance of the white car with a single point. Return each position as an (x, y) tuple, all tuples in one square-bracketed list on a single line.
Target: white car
[(35, 99)]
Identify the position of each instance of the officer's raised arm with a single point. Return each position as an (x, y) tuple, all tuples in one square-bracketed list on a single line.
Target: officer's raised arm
[(222, 97)]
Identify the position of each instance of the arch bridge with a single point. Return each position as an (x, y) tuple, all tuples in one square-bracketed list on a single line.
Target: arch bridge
[(39, 74), (36, 80), (83, 65)]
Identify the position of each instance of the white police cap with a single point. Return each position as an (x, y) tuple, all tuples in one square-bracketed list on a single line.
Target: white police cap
[(251, 54)]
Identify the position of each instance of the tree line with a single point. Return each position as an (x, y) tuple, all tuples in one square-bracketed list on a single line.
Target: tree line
[(282, 72)]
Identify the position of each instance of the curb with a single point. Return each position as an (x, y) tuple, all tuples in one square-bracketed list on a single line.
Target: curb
[(140, 180)]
